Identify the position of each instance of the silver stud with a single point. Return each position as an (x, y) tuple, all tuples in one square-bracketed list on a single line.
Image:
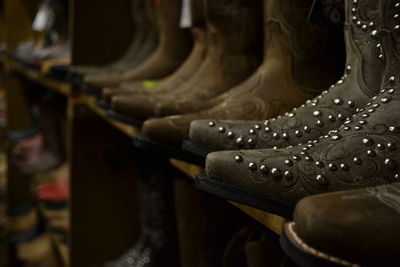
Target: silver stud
[(357, 127), (231, 134), (238, 159), (257, 127), (290, 115), (267, 129), (252, 132), (264, 169), (317, 113), (285, 136), (251, 142), (390, 91), (331, 118), (296, 158), (394, 129), (320, 123), (332, 167), (338, 101), (364, 27), (357, 161), (319, 164), (309, 158), (276, 136), (344, 167), (367, 142), (350, 103), (396, 27), (307, 129), (341, 117), (298, 134), (371, 153), (266, 122), (397, 176), (276, 173), (211, 124), (321, 179), (362, 122), (336, 137), (385, 100), (347, 128), (252, 166), (221, 129), (288, 162), (390, 164), (366, 115), (340, 82), (374, 34), (371, 110), (348, 69), (380, 146), (392, 80), (391, 146), (240, 141), (288, 175)]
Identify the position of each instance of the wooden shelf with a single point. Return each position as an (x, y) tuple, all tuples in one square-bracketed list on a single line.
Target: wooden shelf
[(38, 77), (272, 221), (131, 131)]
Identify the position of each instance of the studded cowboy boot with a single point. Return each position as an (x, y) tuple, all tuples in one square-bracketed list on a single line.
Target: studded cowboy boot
[(361, 153), (350, 228), (316, 117), (232, 55), (174, 47), (179, 77), (294, 56), (143, 44), (156, 245)]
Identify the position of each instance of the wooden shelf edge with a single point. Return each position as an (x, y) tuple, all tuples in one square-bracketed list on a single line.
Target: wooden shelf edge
[(129, 130), (271, 221), (37, 77)]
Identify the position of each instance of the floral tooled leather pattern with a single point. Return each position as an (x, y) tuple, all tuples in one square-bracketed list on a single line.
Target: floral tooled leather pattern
[(318, 116)]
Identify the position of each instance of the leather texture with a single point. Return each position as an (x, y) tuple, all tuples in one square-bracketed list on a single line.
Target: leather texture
[(285, 80), (360, 153), (144, 42), (168, 56), (316, 117), (355, 225), (233, 33)]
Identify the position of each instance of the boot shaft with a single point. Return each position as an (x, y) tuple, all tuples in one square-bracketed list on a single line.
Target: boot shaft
[(310, 53), (235, 26)]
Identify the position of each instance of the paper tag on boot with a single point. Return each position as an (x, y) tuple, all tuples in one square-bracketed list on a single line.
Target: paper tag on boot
[(41, 19), (186, 15)]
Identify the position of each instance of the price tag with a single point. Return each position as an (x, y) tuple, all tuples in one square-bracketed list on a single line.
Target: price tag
[(42, 17), (186, 15)]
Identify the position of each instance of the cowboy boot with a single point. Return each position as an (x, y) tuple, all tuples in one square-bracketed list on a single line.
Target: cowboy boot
[(361, 153), (309, 121), (285, 80), (232, 55), (165, 60), (179, 77), (156, 245), (349, 228), (143, 44)]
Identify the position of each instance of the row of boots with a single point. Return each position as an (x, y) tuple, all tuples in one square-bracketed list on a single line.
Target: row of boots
[(317, 114)]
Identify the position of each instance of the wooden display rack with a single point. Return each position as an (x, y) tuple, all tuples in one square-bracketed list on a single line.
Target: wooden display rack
[(103, 206)]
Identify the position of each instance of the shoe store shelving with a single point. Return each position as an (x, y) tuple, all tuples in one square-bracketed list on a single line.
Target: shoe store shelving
[(101, 198)]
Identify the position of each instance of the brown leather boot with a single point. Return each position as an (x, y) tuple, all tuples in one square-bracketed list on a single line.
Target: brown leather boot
[(361, 153), (316, 117), (179, 77), (233, 41), (143, 44), (351, 228), (174, 47), (294, 56)]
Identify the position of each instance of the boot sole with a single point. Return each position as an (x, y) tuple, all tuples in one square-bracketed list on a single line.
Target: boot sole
[(196, 149), (239, 195), (167, 151), (124, 119), (305, 255)]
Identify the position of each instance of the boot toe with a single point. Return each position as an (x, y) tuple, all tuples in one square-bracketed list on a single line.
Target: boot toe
[(166, 130), (137, 106)]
